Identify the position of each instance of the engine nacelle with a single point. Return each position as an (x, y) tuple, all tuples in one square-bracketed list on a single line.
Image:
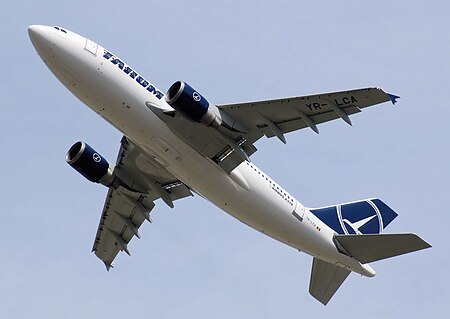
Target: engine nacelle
[(183, 98), (90, 164)]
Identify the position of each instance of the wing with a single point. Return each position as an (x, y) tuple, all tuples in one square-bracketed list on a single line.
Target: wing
[(229, 147), (143, 180), (277, 117), (325, 280)]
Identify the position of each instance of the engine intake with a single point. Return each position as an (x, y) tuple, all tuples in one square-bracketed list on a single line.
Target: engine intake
[(192, 105), (90, 164)]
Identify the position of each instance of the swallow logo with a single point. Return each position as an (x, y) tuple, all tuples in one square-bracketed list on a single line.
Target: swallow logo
[(355, 226), (369, 216), (353, 217), (96, 157), (196, 96)]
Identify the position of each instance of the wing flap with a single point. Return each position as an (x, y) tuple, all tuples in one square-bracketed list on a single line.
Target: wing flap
[(367, 248), (299, 122), (121, 218), (325, 280)]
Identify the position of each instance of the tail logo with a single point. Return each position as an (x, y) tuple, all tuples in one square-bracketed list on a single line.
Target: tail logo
[(362, 217), (356, 225)]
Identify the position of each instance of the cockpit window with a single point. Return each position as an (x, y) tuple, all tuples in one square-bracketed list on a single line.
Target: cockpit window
[(60, 29)]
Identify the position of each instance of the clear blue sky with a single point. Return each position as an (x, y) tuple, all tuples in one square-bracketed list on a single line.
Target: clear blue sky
[(195, 261)]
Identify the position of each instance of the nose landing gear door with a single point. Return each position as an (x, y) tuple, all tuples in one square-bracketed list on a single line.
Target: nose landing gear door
[(299, 211)]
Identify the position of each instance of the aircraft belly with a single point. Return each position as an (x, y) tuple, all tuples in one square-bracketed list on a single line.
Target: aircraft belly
[(258, 206), (244, 194)]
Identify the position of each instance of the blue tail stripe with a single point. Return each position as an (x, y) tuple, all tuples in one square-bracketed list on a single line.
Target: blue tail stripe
[(372, 227), (330, 217), (366, 217), (387, 213)]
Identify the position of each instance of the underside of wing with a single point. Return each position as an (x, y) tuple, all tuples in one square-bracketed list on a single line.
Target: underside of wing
[(325, 280), (123, 214), (226, 134), (142, 181), (273, 117), (224, 147)]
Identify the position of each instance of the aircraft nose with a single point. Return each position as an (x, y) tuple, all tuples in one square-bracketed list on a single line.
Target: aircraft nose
[(40, 36), (34, 29), (37, 32)]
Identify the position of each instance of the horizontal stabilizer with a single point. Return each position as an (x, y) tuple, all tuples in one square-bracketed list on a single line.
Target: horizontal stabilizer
[(372, 247), (325, 280)]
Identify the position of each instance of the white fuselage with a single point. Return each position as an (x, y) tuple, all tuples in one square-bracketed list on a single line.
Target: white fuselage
[(120, 97)]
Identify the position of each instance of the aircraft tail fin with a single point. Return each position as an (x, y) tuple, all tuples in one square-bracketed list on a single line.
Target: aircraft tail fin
[(325, 280), (374, 247), (369, 216)]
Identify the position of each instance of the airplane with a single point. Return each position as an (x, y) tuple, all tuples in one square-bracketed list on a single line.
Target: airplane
[(177, 144)]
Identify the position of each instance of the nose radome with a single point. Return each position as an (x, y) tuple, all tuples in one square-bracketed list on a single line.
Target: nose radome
[(36, 31), (39, 35)]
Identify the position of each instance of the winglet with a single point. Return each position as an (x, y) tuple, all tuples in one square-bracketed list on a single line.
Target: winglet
[(393, 98), (108, 265)]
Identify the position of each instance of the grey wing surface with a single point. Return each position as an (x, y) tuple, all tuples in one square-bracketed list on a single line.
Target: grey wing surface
[(228, 148), (325, 280), (127, 206), (280, 116)]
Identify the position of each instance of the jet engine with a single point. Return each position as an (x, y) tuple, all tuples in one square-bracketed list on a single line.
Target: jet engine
[(186, 100), (90, 164)]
